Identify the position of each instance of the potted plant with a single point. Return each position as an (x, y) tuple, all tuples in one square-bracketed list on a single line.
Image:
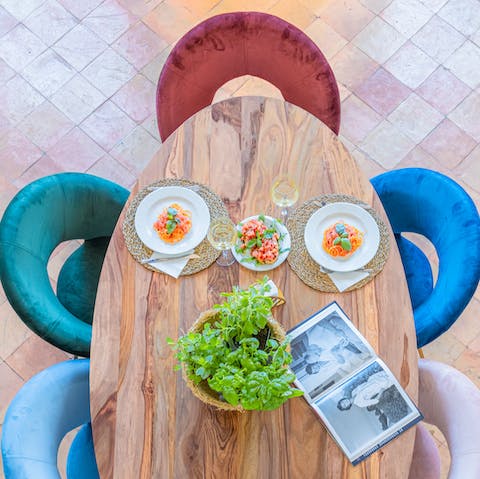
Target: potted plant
[(235, 355)]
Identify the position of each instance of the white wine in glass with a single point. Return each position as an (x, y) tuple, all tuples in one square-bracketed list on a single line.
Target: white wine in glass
[(284, 193), (222, 235)]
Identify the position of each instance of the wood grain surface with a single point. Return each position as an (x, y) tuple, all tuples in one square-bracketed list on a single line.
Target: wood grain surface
[(146, 423)]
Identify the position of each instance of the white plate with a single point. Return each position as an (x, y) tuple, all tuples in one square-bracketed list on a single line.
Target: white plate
[(284, 245), (353, 215), (153, 204)]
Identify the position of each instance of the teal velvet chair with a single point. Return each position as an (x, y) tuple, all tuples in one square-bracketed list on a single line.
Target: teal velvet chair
[(52, 403), (42, 215), (422, 201)]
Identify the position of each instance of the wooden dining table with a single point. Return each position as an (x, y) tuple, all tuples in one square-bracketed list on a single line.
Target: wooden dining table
[(146, 422)]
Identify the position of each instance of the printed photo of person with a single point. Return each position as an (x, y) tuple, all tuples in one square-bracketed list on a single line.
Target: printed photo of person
[(365, 406), (325, 353)]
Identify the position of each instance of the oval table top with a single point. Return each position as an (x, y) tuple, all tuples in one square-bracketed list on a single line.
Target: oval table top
[(146, 422)]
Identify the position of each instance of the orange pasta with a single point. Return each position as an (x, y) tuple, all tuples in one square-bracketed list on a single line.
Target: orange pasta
[(341, 239), (173, 223)]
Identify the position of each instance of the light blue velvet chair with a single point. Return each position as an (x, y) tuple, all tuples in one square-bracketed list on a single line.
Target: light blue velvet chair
[(43, 214), (422, 201), (49, 405)]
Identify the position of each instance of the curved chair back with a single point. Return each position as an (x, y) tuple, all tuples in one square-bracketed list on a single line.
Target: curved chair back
[(43, 214), (450, 401), (49, 405), (245, 43), (431, 204)]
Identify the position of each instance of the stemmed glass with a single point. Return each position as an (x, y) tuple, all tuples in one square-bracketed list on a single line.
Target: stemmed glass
[(284, 193), (222, 235)]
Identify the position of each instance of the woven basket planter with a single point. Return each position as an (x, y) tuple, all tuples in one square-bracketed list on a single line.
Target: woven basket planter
[(202, 390)]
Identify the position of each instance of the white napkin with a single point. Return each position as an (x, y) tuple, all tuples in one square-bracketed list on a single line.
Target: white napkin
[(344, 280), (173, 266)]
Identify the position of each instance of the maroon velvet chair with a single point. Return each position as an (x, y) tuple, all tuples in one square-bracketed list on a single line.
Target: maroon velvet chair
[(245, 43)]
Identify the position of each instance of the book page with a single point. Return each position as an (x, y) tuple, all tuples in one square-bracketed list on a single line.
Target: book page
[(326, 350)]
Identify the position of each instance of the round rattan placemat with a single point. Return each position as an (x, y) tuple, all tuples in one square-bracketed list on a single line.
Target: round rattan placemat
[(207, 254), (305, 266)]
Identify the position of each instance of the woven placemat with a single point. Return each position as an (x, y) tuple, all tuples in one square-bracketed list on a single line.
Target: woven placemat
[(206, 252), (305, 266)]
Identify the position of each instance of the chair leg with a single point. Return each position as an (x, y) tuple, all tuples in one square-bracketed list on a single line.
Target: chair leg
[(420, 353)]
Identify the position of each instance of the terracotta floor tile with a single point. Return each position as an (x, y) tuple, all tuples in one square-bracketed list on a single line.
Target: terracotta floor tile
[(33, 356), (469, 169), (407, 16), (60, 254), (376, 6), (7, 192), (443, 90), (348, 17), (80, 46), (78, 98), (109, 72), (140, 8), (382, 91), (226, 6), (343, 91), (469, 363), (7, 21), (370, 167), (13, 331), (18, 99), (419, 158), (139, 45), (464, 64), (20, 46), (21, 9), (434, 5), (415, 118), (170, 22), (20, 151), (326, 38), (352, 67), (48, 72), (109, 20), (465, 115), (446, 348), (150, 124), (136, 150), (80, 9), (153, 69), (50, 21), (387, 145), (438, 39), (475, 38), (256, 86), (294, 12), (9, 386), (448, 144), (42, 167), (45, 125), (358, 119), (108, 167), (462, 14), (108, 125), (379, 40), (410, 65), (465, 328), (5, 72), (75, 151)]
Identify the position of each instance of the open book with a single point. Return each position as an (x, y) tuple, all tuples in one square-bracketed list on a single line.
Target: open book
[(347, 385)]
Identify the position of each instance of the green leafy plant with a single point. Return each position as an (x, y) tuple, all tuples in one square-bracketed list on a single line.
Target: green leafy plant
[(237, 355)]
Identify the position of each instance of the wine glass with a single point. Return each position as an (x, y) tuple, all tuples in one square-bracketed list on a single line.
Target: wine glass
[(284, 193), (222, 235)]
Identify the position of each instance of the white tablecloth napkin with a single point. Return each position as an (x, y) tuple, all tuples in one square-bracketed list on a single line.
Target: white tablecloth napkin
[(173, 266), (343, 281)]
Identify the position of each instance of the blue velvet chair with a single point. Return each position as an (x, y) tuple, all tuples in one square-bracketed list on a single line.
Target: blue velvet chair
[(43, 214), (49, 405), (422, 201)]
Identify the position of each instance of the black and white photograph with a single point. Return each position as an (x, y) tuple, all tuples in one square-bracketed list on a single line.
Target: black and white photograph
[(365, 408), (325, 350)]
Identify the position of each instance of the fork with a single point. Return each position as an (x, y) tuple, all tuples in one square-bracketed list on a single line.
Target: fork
[(328, 271), (156, 260)]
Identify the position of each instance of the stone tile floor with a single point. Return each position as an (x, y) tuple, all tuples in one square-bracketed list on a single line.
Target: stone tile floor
[(77, 89)]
